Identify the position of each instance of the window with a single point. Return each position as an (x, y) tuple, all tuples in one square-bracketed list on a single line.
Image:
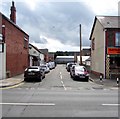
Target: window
[(117, 39), (110, 38), (93, 43), (25, 43), (1, 43)]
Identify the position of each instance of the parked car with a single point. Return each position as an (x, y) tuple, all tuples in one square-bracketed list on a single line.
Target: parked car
[(46, 68), (35, 73), (79, 72), (69, 65), (51, 65)]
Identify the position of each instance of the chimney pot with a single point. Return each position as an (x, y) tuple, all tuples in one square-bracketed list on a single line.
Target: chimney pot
[(13, 13)]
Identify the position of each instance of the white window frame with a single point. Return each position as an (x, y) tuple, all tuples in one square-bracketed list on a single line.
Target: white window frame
[(1, 43)]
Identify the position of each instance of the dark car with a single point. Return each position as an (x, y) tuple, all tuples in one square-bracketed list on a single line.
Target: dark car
[(79, 72), (34, 73)]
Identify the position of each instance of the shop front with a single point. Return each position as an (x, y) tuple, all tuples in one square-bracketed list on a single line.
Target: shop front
[(113, 63)]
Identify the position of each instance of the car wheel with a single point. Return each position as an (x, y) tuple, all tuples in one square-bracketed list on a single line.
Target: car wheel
[(41, 78), (87, 79), (71, 76), (25, 79)]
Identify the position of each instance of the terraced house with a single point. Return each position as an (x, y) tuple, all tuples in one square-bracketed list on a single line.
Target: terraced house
[(105, 46), (15, 45)]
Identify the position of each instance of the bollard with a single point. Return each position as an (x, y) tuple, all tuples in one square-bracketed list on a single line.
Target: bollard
[(117, 81), (101, 77)]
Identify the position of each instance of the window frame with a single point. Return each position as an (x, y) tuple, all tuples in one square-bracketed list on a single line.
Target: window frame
[(1, 44), (117, 41)]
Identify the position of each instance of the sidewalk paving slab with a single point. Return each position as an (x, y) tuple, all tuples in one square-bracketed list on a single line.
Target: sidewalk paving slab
[(11, 81), (104, 82)]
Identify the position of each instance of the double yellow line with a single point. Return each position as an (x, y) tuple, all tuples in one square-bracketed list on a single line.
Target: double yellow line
[(10, 87)]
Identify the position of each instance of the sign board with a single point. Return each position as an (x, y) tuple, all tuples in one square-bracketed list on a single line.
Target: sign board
[(113, 51)]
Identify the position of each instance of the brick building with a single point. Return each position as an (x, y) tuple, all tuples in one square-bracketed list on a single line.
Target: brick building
[(16, 44)]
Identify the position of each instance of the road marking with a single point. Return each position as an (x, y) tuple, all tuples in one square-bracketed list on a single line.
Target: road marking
[(62, 81), (110, 104), (29, 104), (11, 86), (61, 76)]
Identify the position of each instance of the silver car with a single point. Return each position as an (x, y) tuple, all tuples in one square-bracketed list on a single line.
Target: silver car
[(79, 72)]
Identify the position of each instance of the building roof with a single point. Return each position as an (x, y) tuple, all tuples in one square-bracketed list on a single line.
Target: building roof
[(35, 48), (107, 22), (3, 16)]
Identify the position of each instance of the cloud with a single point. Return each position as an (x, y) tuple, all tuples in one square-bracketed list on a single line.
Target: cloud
[(55, 45), (59, 20), (56, 20)]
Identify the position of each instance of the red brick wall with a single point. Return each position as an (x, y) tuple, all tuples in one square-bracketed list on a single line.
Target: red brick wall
[(16, 54)]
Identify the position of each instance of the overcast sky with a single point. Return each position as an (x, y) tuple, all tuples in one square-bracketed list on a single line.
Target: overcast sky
[(54, 24)]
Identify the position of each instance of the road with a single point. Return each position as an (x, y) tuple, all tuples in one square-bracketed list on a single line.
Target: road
[(59, 96)]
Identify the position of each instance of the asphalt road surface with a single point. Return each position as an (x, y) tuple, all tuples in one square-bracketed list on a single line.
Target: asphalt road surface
[(59, 96)]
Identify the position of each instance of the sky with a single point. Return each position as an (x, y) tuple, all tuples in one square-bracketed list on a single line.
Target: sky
[(54, 24)]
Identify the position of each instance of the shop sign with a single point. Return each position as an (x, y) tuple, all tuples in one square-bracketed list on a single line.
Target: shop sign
[(113, 51)]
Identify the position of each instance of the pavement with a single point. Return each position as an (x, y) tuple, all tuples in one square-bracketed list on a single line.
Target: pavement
[(12, 81), (104, 82), (20, 78)]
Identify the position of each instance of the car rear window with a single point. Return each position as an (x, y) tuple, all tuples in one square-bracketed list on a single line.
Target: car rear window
[(33, 69), (79, 69)]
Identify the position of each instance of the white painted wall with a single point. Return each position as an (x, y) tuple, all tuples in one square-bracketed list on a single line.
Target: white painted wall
[(34, 52), (3, 63), (97, 55), (42, 58)]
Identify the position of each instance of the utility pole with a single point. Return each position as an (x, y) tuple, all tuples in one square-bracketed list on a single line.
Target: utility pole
[(80, 46)]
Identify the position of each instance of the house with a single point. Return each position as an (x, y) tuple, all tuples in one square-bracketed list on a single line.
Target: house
[(46, 57), (15, 45), (84, 60), (36, 57), (105, 46), (51, 56)]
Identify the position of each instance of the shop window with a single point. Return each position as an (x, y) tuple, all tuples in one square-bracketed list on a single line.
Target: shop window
[(117, 39), (110, 37)]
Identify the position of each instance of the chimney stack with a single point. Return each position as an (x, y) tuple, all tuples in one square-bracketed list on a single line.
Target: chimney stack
[(13, 13)]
